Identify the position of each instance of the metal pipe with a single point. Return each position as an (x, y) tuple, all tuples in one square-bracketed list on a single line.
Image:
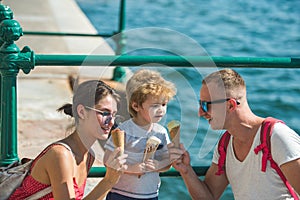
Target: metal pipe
[(44, 33), (120, 39), (172, 61), (122, 16), (100, 171)]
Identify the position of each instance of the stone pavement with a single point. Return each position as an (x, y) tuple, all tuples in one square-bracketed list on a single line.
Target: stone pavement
[(46, 88)]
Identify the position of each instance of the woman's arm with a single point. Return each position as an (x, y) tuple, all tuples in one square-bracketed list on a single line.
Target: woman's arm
[(104, 186), (115, 165), (59, 167)]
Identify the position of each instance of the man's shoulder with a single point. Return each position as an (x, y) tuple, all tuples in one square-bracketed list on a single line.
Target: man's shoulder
[(281, 130)]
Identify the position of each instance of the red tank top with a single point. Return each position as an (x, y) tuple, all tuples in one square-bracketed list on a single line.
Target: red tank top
[(31, 186)]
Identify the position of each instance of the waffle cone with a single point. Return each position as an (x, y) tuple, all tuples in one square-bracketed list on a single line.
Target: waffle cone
[(174, 130), (151, 147), (118, 139), (175, 135)]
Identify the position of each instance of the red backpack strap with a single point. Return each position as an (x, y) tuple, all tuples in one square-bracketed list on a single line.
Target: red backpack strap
[(222, 148), (265, 147), (265, 140)]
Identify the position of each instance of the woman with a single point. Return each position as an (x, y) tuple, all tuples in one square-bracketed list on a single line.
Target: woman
[(64, 165)]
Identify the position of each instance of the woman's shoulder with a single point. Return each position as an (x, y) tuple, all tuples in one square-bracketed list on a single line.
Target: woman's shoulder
[(55, 153), (53, 157), (60, 149)]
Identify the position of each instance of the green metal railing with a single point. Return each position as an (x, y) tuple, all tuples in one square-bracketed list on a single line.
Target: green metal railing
[(100, 171), (13, 59), (173, 61), (121, 27), (119, 39)]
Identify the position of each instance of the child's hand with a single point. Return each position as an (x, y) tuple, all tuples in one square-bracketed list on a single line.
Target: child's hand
[(151, 165), (137, 169)]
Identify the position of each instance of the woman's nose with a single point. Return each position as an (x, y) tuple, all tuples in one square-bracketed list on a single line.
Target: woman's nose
[(109, 120)]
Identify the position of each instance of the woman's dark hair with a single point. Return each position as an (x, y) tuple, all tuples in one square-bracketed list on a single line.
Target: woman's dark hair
[(88, 93)]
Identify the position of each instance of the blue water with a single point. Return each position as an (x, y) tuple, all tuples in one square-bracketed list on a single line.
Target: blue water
[(218, 28)]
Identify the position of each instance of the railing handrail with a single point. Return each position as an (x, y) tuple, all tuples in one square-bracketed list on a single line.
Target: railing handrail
[(174, 61), (100, 171), (46, 33)]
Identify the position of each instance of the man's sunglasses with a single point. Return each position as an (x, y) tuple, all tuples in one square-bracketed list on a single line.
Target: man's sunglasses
[(204, 104)]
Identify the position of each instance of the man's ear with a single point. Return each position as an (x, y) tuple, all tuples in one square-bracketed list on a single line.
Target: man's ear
[(81, 111), (232, 104)]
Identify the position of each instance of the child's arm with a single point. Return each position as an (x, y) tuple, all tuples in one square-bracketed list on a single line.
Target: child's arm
[(165, 165), (136, 169), (157, 165)]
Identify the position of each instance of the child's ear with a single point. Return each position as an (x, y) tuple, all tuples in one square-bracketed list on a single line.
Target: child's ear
[(135, 106)]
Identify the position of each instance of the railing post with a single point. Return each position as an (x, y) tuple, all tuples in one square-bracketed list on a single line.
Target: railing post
[(11, 60), (5, 13), (120, 72)]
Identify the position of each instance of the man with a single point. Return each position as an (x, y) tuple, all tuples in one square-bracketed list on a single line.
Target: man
[(224, 104)]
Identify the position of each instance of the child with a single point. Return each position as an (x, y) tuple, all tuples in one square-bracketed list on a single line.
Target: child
[(147, 96)]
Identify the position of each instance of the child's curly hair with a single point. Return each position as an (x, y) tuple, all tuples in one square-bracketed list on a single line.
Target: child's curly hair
[(147, 82)]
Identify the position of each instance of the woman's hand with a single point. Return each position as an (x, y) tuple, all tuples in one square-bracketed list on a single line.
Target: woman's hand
[(116, 161), (115, 165)]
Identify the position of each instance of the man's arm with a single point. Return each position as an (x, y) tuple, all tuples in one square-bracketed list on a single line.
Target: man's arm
[(285, 138), (211, 188), (291, 171), (215, 183)]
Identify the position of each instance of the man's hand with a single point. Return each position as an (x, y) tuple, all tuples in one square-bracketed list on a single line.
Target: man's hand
[(179, 158)]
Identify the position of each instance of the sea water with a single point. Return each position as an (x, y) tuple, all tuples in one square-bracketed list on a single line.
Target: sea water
[(216, 28)]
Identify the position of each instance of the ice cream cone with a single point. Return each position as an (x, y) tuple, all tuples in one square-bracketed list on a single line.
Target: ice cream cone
[(151, 146), (174, 130), (118, 139)]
